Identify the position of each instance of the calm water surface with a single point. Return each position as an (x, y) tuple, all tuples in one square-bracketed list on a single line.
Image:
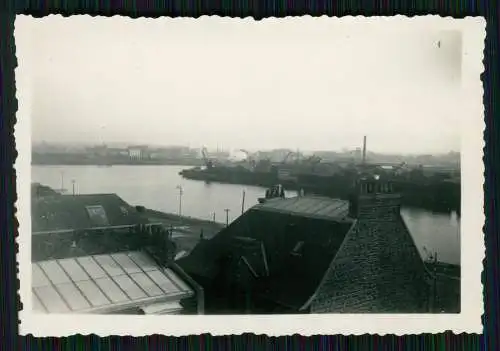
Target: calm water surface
[(155, 187)]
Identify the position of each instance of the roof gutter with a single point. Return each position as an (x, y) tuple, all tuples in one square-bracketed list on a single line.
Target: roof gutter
[(200, 295), (135, 304), (125, 226)]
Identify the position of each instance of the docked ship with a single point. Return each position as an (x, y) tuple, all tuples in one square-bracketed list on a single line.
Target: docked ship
[(258, 174), (435, 193)]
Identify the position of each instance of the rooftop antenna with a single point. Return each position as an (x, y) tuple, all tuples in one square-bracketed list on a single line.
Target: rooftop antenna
[(364, 150)]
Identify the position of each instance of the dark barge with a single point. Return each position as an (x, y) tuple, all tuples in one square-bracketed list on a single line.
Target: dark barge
[(432, 193)]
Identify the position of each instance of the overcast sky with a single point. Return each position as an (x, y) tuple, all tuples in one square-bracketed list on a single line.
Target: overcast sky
[(312, 84)]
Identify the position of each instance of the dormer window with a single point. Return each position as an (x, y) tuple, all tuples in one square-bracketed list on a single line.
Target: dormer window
[(124, 210), (383, 188), (97, 215), (297, 250), (390, 188), (370, 188)]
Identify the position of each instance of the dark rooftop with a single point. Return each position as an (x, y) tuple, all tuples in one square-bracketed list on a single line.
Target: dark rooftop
[(78, 212), (309, 206), (287, 243), (305, 254)]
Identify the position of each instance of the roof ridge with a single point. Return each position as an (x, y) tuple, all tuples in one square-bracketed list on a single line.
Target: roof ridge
[(93, 194)]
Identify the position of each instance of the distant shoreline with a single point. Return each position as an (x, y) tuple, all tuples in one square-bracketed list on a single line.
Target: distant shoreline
[(122, 163)]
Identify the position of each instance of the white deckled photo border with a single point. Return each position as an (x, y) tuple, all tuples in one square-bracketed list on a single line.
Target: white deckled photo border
[(472, 221)]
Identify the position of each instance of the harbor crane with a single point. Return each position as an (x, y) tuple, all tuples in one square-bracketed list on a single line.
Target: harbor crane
[(249, 157), (204, 153), (313, 161), (292, 153), (286, 157), (248, 154)]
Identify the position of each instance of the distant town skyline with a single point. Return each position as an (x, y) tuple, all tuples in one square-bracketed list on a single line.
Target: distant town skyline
[(317, 84), (221, 148)]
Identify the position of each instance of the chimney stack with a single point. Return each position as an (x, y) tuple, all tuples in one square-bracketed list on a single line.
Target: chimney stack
[(375, 199)]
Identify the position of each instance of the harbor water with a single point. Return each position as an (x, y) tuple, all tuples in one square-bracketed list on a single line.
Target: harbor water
[(158, 188)]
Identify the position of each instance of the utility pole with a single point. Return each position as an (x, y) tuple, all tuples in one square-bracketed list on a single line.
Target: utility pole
[(213, 217), (73, 185), (227, 216), (435, 282), (180, 199), (243, 202)]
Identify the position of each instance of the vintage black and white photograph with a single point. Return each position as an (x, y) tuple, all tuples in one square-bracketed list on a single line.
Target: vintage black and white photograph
[(283, 167)]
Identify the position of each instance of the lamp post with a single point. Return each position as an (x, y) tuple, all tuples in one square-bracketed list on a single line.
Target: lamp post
[(73, 186), (181, 191), (62, 182)]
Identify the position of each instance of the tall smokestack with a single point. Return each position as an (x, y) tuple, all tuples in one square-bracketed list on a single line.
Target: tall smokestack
[(364, 149)]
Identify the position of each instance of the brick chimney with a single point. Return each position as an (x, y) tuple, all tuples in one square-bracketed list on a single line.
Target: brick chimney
[(374, 198)]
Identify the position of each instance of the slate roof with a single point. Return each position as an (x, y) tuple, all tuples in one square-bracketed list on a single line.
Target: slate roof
[(104, 283), (70, 212), (381, 258), (272, 230)]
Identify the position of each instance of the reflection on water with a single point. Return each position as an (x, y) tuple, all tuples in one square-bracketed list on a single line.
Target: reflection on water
[(156, 187), (435, 232)]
